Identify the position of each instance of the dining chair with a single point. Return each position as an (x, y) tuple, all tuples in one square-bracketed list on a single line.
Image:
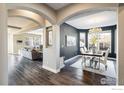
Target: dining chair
[(103, 59), (85, 58), (85, 49), (82, 51)]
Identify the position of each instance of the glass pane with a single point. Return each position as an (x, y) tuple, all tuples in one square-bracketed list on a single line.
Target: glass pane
[(105, 40), (82, 39), (93, 40), (101, 40)]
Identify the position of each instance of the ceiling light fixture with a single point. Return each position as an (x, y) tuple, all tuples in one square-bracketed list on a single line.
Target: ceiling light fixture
[(95, 30)]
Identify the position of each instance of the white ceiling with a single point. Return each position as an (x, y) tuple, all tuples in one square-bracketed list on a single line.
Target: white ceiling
[(93, 19), (57, 6), (19, 22)]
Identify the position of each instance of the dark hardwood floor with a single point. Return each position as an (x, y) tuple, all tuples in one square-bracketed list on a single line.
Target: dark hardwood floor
[(23, 71)]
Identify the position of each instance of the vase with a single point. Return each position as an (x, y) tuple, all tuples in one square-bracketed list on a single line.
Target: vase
[(93, 48)]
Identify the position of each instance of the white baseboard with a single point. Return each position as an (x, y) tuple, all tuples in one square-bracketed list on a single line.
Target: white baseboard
[(71, 58), (50, 69)]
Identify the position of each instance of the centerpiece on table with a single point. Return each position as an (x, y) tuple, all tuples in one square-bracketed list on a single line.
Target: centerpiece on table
[(94, 37)]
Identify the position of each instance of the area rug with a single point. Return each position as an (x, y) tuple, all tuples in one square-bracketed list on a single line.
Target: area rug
[(111, 72)]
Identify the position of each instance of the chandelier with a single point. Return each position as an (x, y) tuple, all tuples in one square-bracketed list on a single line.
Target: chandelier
[(95, 30)]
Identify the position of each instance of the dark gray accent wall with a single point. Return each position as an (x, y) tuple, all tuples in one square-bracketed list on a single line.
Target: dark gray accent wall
[(68, 51)]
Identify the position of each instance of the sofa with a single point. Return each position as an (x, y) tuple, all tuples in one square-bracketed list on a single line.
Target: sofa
[(31, 54)]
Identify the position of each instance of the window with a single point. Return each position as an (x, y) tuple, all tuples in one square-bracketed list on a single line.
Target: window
[(82, 39), (102, 40), (105, 40), (92, 38)]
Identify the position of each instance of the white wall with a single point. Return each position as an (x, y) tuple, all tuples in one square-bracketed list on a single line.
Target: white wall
[(18, 46), (10, 43), (121, 44)]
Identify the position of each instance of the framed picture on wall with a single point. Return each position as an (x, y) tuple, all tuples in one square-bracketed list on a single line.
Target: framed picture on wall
[(49, 36), (70, 40), (36, 41), (29, 41)]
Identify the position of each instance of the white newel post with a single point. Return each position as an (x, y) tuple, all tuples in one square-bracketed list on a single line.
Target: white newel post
[(3, 46)]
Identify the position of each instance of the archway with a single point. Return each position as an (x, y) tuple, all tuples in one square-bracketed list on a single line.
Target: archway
[(40, 9), (76, 9), (26, 14)]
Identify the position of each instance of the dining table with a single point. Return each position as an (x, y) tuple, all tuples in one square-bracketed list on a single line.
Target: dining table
[(97, 54)]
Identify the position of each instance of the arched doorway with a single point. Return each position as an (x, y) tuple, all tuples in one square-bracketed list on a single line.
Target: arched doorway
[(76, 9), (26, 19), (70, 30)]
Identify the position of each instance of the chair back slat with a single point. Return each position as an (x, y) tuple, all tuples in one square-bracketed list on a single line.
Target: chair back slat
[(106, 55)]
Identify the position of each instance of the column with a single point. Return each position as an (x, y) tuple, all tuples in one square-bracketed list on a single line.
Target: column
[(3, 46), (51, 54), (121, 45)]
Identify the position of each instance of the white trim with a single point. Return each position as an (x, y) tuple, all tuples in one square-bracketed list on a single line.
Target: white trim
[(50, 69), (71, 58), (62, 65)]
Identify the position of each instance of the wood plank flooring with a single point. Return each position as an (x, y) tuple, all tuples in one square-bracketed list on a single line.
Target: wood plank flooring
[(23, 71)]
